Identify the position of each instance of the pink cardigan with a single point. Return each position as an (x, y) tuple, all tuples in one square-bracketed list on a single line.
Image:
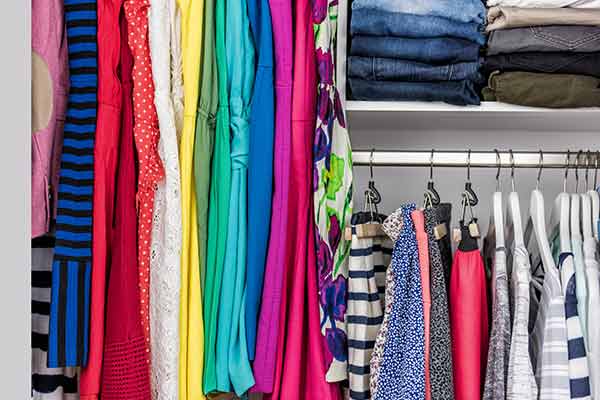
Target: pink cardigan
[(50, 88)]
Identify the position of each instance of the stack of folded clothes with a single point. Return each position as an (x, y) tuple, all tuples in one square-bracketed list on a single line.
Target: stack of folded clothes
[(416, 50), (544, 53)]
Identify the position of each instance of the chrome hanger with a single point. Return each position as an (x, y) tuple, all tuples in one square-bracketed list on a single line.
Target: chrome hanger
[(372, 195), (498, 166), (588, 156), (432, 197), (540, 167), (471, 195), (512, 169), (577, 170), (567, 163)]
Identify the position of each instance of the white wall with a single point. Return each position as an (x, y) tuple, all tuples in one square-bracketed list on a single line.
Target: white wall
[(556, 131)]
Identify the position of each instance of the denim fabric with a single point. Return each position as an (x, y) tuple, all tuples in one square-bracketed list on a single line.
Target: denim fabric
[(430, 50), (389, 69), (456, 10), (380, 23), (572, 38), (544, 90), (454, 92), (563, 63)]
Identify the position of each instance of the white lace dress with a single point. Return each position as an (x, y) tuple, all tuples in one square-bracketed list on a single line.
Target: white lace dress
[(165, 272)]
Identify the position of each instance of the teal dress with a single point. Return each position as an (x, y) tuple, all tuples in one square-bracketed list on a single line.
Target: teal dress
[(232, 351)]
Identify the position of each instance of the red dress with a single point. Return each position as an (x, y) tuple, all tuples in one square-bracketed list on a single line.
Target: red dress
[(468, 319), (126, 375), (106, 153), (145, 129)]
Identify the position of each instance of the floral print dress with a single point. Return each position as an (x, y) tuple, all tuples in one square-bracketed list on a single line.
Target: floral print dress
[(332, 193)]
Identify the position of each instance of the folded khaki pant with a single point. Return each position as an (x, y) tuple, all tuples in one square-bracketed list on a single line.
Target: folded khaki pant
[(513, 17), (543, 90)]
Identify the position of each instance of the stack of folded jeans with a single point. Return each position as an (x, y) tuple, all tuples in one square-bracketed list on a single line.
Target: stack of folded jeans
[(544, 53), (416, 50)]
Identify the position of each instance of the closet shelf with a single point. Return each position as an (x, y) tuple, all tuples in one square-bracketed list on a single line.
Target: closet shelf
[(486, 106)]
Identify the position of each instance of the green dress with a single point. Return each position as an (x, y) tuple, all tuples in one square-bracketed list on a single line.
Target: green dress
[(219, 206), (205, 131)]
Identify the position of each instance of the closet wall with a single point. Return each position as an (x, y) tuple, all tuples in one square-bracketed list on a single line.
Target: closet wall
[(461, 130)]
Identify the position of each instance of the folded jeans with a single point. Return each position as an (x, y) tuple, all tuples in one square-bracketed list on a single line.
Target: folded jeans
[(431, 50), (512, 17), (366, 21), (453, 92), (545, 3), (554, 38), (389, 69), (456, 10), (562, 63), (543, 90)]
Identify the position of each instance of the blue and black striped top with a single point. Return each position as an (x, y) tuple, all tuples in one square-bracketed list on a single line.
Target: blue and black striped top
[(71, 269)]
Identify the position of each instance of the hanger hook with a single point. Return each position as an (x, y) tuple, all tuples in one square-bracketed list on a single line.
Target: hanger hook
[(512, 169), (579, 153), (371, 162), (596, 170), (588, 156), (540, 167), (567, 163), (469, 166), (498, 166), (431, 165)]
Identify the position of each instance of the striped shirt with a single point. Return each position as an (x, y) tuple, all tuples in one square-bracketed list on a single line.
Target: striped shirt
[(46, 383), (368, 257), (579, 375), (548, 349), (69, 312)]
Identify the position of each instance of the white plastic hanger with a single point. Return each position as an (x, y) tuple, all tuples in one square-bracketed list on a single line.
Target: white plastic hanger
[(498, 217), (537, 222), (575, 219), (595, 198), (560, 217), (586, 205), (514, 207)]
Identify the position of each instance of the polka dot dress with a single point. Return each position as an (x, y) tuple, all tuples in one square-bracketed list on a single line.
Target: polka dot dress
[(146, 134)]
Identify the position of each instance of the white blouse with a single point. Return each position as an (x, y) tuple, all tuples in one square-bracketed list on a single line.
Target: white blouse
[(165, 272)]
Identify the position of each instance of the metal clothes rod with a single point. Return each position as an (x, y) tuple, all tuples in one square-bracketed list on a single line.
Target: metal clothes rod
[(478, 159)]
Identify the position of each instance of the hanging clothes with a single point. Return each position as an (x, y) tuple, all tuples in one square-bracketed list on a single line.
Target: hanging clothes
[(498, 354), (333, 190), (106, 155), (49, 89), (71, 269), (397, 364), (301, 367), (260, 164), (205, 133), (367, 255), (578, 365), (468, 318), (273, 292), (440, 368), (191, 325), (443, 212), (125, 372), (418, 220), (580, 277), (165, 255), (549, 351), (147, 134), (520, 384), (233, 363), (592, 269), (220, 191), (46, 383)]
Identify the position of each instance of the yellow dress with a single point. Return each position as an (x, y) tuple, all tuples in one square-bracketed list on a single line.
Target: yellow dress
[(191, 354)]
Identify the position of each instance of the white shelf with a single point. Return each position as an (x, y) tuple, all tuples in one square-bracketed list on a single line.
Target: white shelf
[(486, 106)]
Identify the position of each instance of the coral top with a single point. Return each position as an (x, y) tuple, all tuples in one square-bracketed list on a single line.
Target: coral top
[(423, 246)]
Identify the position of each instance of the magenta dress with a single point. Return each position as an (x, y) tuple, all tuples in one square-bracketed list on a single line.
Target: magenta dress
[(277, 260), (301, 365)]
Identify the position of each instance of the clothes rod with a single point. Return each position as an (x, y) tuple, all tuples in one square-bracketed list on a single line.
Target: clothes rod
[(478, 159)]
